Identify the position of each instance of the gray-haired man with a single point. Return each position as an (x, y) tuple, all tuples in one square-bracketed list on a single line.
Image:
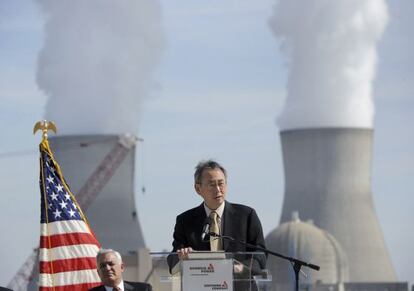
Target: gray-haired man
[(110, 268)]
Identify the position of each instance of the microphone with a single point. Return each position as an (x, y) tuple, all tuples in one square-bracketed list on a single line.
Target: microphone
[(206, 227)]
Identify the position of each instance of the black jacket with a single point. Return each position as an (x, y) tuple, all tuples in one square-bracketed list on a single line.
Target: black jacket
[(239, 222), (129, 286)]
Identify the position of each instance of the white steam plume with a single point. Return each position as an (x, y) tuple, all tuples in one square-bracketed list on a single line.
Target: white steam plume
[(331, 48), (97, 62)]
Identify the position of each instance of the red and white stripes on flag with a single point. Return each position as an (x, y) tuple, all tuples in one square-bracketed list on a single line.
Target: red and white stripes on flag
[(68, 247)]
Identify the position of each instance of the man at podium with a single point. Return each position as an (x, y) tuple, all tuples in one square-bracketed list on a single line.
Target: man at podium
[(216, 215)]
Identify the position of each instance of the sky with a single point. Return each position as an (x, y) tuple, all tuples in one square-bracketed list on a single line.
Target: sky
[(219, 87)]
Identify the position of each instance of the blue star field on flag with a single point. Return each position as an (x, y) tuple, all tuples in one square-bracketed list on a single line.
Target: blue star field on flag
[(60, 205)]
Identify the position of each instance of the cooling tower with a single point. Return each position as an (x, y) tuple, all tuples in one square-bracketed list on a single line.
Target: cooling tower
[(328, 180), (112, 214)]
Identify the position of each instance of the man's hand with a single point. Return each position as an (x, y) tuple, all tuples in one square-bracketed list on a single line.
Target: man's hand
[(183, 253), (238, 267)]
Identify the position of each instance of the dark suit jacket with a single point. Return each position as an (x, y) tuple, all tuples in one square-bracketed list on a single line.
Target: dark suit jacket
[(129, 286), (239, 222)]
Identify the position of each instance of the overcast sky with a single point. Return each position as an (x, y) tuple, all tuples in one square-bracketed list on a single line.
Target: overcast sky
[(218, 88)]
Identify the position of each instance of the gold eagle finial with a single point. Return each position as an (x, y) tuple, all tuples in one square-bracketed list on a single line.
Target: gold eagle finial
[(44, 126)]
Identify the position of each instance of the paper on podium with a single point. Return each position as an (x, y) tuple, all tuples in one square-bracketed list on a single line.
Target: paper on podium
[(206, 255)]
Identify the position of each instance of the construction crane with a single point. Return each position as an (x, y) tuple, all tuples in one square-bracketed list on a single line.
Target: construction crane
[(28, 272)]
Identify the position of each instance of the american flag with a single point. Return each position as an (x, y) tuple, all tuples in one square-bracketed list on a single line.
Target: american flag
[(68, 246)]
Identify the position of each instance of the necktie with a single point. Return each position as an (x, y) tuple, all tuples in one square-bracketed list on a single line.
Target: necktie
[(214, 227), (116, 288)]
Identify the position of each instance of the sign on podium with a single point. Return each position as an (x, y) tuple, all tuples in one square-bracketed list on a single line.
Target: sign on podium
[(210, 271), (207, 271)]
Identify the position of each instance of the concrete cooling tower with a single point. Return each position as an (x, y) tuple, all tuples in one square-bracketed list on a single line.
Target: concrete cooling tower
[(112, 213), (328, 181)]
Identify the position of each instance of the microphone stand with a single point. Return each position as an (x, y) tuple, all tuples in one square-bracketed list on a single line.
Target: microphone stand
[(297, 264)]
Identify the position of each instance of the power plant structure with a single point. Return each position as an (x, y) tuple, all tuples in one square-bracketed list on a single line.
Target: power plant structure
[(302, 239), (328, 181), (100, 169)]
